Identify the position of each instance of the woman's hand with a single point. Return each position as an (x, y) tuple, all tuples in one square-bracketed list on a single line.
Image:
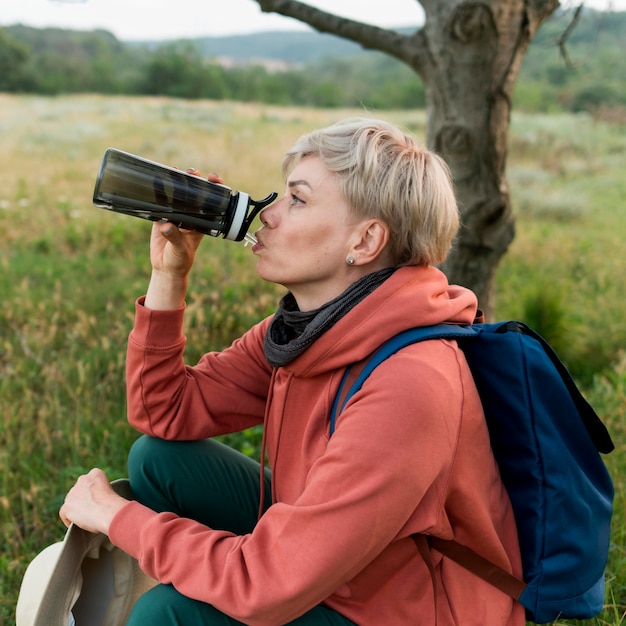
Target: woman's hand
[(172, 253), (92, 503)]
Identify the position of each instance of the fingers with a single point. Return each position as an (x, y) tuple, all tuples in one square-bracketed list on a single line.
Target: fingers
[(212, 177), (83, 494), (64, 518), (96, 475), (187, 240), (215, 178), (170, 231)]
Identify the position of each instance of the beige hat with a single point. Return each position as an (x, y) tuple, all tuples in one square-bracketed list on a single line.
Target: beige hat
[(83, 579)]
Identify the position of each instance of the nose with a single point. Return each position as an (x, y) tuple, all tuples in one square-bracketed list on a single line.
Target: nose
[(268, 215)]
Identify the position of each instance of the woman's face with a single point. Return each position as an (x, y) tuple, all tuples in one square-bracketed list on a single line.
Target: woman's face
[(306, 237)]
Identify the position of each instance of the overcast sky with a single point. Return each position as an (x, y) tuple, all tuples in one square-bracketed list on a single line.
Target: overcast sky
[(158, 19), (172, 19)]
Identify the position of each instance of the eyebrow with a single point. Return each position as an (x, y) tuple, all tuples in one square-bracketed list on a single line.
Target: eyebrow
[(299, 183)]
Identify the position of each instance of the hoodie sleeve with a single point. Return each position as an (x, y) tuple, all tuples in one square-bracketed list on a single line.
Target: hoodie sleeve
[(383, 476), (225, 392)]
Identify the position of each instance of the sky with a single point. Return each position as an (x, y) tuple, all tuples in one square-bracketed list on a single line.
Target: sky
[(172, 19), (134, 20)]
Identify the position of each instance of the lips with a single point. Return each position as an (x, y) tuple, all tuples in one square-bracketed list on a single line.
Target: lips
[(259, 242)]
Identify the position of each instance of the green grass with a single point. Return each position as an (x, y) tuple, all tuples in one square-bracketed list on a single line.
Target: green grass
[(70, 274)]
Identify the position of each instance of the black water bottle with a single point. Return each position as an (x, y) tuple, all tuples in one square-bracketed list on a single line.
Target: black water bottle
[(136, 186)]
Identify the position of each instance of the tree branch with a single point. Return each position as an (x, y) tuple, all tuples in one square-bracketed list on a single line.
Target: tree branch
[(406, 48), (562, 40)]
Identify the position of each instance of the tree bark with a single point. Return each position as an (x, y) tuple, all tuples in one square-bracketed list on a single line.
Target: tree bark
[(468, 55)]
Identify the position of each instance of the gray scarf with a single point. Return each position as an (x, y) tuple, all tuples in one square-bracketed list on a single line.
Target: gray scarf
[(292, 331)]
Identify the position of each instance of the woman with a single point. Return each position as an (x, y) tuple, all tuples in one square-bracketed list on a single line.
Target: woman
[(366, 215)]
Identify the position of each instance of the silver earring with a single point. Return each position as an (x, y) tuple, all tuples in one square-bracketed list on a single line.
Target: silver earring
[(350, 260)]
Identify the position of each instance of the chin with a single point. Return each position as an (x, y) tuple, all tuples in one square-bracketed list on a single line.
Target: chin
[(265, 273)]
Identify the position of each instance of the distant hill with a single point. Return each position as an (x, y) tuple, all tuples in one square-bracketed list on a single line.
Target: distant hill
[(298, 47), (594, 30)]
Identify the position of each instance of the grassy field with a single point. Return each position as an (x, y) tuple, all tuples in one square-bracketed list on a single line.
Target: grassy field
[(70, 274)]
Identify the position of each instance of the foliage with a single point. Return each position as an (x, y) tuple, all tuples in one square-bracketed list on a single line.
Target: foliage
[(70, 274), (60, 61), (309, 69), (13, 57), (587, 71)]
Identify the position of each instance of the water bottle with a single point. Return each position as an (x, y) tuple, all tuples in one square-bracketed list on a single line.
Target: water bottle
[(132, 185)]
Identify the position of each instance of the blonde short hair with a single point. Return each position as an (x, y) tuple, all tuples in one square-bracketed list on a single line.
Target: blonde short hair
[(384, 173)]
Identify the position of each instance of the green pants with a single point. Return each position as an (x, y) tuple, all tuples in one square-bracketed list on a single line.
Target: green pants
[(215, 485)]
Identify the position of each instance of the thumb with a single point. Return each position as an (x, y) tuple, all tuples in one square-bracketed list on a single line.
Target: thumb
[(170, 231)]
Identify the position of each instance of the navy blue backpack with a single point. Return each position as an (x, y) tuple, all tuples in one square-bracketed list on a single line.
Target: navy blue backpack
[(546, 439)]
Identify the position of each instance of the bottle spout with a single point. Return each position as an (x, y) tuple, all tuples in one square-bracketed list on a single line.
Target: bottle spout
[(249, 239)]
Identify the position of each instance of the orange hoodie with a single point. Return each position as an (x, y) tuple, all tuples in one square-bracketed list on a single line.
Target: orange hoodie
[(410, 454)]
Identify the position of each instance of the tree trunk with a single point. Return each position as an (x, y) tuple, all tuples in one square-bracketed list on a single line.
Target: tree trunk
[(468, 55)]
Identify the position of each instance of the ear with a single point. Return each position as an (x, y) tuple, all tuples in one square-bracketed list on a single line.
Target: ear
[(370, 242)]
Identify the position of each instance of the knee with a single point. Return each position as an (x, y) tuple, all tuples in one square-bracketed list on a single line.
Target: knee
[(142, 452), (145, 465), (153, 607), (157, 466), (147, 453), (165, 606)]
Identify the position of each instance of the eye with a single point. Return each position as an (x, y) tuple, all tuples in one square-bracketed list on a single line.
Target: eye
[(295, 200)]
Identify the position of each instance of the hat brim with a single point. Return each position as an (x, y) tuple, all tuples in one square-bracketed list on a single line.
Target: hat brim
[(84, 574)]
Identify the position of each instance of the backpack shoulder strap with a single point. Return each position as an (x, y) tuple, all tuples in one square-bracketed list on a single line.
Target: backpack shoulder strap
[(352, 381), (356, 374), (473, 562)]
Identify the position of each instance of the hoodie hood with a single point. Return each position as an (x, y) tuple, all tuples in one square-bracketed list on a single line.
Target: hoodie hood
[(421, 296)]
